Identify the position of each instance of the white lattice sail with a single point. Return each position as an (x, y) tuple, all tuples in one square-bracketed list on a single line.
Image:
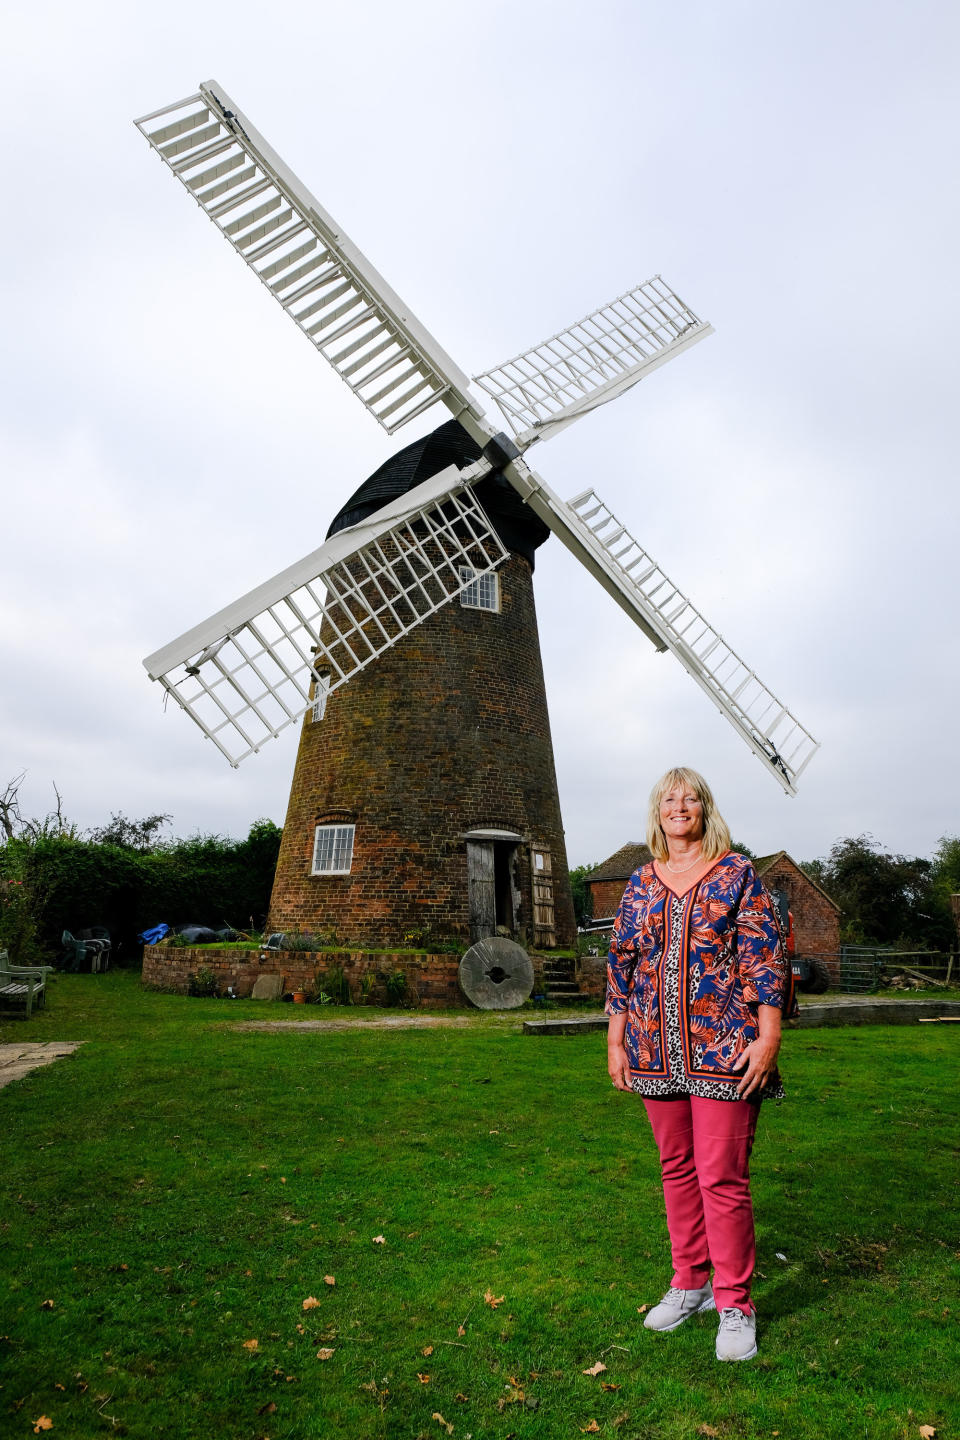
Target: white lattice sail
[(257, 666), (774, 734), (551, 385), (324, 283)]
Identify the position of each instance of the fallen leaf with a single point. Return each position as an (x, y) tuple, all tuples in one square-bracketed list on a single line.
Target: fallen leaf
[(597, 1369), (440, 1421), (58, 1386), (44, 1423), (379, 1240), (642, 1309), (300, 1330), (311, 1302), (324, 1354), (251, 1344), (461, 1398), (268, 1409), (329, 1280), (47, 1305), (928, 1431), (605, 1385), (590, 1429), (707, 1430), (492, 1300), (461, 1330), (427, 1350), (424, 1378)]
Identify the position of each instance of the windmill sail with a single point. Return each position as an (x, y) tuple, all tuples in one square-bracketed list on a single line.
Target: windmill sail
[(548, 387), (324, 283), (255, 667), (640, 587)]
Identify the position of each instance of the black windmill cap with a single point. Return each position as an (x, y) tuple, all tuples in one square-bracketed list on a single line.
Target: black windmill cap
[(518, 527)]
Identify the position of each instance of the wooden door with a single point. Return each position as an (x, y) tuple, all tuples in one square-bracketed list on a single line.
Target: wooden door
[(481, 890), (541, 875)]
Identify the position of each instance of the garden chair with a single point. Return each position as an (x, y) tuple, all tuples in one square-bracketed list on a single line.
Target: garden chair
[(22, 984), (80, 954)]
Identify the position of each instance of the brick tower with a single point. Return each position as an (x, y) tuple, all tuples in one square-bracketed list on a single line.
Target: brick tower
[(424, 801)]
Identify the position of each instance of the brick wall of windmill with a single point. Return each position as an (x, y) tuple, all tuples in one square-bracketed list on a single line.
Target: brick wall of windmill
[(444, 733)]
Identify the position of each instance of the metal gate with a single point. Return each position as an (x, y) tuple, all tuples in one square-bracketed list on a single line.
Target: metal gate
[(860, 967)]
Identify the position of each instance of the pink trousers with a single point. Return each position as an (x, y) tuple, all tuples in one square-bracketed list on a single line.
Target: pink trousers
[(705, 1161)]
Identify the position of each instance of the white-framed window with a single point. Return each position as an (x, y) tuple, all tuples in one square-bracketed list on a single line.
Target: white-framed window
[(318, 709), (333, 849), (480, 592)]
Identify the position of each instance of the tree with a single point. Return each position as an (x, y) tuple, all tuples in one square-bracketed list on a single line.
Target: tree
[(885, 899), (582, 895), (139, 835), (123, 876)]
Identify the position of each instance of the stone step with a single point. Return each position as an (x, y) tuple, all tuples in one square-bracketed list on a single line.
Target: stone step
[(569, 1025)]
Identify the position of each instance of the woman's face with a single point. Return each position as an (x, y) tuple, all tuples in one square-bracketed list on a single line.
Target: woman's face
[(681, 814)]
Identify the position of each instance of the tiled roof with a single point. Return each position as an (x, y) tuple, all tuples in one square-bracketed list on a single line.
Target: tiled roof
[(622, 865)]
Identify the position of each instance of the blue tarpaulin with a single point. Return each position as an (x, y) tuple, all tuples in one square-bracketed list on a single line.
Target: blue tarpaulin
[(150, 937)]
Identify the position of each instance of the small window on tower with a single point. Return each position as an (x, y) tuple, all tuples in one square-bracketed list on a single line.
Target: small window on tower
[(480, 592), (320, 698), (333, 849)]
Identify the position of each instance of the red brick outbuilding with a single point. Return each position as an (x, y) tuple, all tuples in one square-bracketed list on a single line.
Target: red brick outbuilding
[(816, 918)]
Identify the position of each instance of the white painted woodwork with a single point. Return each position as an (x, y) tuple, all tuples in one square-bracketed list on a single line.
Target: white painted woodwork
[(298, 251), (573, 372), (245, 674)]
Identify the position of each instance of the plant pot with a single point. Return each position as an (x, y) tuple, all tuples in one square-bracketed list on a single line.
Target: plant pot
[(299, 998)]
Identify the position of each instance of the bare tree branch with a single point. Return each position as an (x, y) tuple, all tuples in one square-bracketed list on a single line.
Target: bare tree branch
[(10, 817)]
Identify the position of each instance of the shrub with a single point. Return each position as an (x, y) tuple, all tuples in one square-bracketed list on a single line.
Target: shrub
[(204, 983), (396, 985), (336, 985)]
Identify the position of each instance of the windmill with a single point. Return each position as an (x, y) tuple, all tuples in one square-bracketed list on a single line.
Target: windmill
[(424, 789)]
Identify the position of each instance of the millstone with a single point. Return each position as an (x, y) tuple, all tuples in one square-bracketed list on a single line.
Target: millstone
[(496, 974)]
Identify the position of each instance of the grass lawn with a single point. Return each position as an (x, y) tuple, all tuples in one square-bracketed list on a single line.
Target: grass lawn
[(177, 1189)]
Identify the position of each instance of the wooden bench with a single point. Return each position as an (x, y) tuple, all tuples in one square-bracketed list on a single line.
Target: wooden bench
[(22, 984)]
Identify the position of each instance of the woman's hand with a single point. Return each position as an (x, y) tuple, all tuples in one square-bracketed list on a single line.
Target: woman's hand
[(759, 1060), (618, 1066)]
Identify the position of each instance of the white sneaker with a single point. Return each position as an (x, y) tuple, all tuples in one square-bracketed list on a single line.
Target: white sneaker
[(737, 1335), (677, 1306)]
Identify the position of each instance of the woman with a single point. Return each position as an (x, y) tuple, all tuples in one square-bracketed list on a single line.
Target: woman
[(695, 984)]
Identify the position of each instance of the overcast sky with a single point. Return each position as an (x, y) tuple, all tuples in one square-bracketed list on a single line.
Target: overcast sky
[(168, 439)]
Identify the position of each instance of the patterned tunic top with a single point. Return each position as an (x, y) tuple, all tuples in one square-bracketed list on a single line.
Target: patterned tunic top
[(690, 971)]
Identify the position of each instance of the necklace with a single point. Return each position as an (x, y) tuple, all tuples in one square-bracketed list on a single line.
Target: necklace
[(679, 869)]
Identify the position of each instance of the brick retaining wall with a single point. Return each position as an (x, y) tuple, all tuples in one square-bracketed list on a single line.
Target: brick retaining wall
[(431, 979)]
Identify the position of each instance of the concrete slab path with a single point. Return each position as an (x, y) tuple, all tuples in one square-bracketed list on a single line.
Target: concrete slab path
[(843, 1010), (18, 1060)]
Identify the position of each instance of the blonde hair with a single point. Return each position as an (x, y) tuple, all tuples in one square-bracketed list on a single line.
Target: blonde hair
[(716, 835)]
